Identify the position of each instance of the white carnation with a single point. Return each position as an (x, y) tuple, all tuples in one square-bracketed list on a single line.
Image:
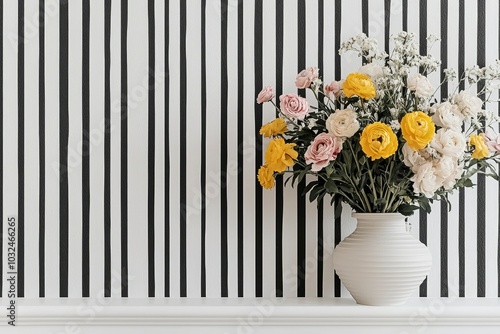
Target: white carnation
[(343, 123), (447, 115), (468, 104), (420, 85), (449, 143), (448, 170), (425, 180), (412, 159), (372, 70)]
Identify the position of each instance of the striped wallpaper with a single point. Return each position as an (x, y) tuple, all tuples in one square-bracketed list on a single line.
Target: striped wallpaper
[(129, 146)]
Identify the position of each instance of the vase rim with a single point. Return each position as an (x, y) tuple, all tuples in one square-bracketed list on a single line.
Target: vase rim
[(377, 214)]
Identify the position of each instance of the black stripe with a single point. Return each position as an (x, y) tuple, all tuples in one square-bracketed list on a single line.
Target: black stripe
[(167, 152), (338, 74), (20, 103), (301, 200), (182, 130), (203, 167), (444, 204), (85, 149), (481, 178), (151, 148), (387, 25), (107, 148), (41, 143), (321, 27), (63, 149), (258, 147), (405, 15), (240, 142), (223, 149), (423, 51), (461, 193), (1, 150), (124, 149), (279, 179), (364, 17)]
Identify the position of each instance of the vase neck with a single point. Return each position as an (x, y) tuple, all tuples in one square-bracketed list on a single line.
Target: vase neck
[(381, 222)]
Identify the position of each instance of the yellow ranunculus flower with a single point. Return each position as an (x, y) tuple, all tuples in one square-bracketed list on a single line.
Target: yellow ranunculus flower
[(280, 155), (418, 129), (265, 177), (480, 148), (274, 128), (378, 141), (360, 85)]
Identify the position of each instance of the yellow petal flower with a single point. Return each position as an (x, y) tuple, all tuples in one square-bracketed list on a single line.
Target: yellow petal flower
[(378, 141), (280, 155), (360, 85), (274, 128), (265, 177), (480, 147), (418, 129)]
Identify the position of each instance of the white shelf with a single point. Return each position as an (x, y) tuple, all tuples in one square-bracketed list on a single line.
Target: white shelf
[(423, 315)]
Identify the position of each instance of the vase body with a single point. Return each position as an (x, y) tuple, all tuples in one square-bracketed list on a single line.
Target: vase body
[(380, 263)]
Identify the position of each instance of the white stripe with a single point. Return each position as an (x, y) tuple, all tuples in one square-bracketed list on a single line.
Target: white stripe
[(213, 241), (268, 114), (74, 150), (96, 150), (290, 45), (31, 153), (311, 265), (9, 131), (174, 107), (159, 148), (115, 75), (376, 21), (51, 149), (193, 223), (138, 141), (249, 152)]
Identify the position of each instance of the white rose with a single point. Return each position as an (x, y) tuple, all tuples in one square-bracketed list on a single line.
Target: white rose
[(425, 180), (420, 85), (468, 104), (449, 142), (447, 115), (342, 123), (448, 170), (412, 158), (372, 70)]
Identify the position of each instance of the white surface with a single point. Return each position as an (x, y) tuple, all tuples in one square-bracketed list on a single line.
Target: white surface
[(291, 315)]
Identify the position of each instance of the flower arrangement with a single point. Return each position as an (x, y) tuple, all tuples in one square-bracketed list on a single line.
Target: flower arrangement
[(379, 140)]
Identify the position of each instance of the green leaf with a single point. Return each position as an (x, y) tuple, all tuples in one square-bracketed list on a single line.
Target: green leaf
[(331, 187)]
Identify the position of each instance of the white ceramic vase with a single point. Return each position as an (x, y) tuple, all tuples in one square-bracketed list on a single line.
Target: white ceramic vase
[(381, 263)]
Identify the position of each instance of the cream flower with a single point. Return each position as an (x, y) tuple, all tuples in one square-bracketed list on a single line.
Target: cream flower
[(450, 143), (425, 180), (468, 104), (372, 70), (447, 115), (343, 123), (412, 159), (420, 85)]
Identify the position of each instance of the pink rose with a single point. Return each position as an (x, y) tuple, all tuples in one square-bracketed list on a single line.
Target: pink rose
[(333, 90), (322, 150), (265, 95), (492, 141), (306, 77), (294, 106)]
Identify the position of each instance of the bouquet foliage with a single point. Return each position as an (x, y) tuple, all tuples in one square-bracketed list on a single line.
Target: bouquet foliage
[(380, 140)]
